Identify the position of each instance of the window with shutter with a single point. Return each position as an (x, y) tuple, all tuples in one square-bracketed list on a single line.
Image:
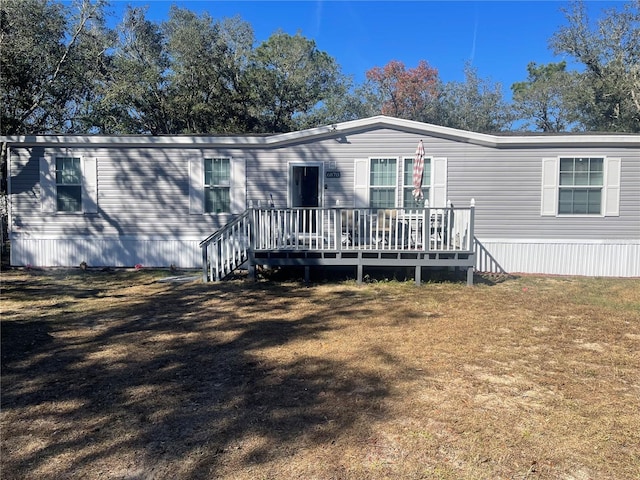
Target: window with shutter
[(68, 184), (217, 185), (580, 186)]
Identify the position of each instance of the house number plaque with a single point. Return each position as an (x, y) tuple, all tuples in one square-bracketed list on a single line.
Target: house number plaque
[(332, 174)]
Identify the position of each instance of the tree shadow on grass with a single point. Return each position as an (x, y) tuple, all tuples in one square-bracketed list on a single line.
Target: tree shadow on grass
[(179, 386), (23, 338)]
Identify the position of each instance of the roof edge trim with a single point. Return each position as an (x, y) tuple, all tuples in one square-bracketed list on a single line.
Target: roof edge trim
[(327, 131)]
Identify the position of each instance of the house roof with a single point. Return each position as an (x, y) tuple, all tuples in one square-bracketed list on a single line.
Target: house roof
[(509, 140)]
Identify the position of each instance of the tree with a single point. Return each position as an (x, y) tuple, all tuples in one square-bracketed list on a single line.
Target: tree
[(404, 93), (609, 95), (291, 78), (476, 105), (346, 101), (185, 75), (544, 100), (209, 62), (51, 59), (136, 97)]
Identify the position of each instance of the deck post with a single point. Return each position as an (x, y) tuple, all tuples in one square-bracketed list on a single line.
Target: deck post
[(251, 270), (307, 275), (472, 219), (418, 275), (205, 274), (359, 273), (251, 234)]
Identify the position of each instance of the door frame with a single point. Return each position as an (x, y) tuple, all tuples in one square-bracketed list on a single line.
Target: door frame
[(320, 166)]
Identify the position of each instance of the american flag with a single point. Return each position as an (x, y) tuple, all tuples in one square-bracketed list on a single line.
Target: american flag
[(418, 167)]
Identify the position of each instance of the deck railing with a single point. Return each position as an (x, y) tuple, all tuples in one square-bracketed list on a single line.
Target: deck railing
[(428, 229)]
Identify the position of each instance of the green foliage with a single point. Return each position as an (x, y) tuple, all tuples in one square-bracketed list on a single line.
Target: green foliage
[(62, 70), (51, 58), (136, 96), (206, 69), (476, 104), (544, 101), (290, 77), (608, 95)]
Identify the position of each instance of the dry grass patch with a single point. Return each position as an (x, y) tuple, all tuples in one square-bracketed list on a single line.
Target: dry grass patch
[(114, 375)]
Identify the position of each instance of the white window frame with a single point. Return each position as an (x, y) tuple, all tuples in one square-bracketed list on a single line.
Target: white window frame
[(217, 186), (237, 185), (393, 185), (49, 185), (61, 183), (550, 193), (428, 164)]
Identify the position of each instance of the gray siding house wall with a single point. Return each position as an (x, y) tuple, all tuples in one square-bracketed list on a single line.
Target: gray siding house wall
[(142, 199)]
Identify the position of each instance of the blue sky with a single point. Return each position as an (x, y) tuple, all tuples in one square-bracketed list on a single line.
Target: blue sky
[(499, 38)]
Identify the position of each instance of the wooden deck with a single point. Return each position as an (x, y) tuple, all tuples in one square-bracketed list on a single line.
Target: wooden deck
[(361, 238)]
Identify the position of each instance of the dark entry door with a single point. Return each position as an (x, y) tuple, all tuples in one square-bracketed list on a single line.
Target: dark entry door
[(305, 186), (305, 193)]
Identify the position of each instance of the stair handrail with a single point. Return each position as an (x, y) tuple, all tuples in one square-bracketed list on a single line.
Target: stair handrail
[(227, 248)]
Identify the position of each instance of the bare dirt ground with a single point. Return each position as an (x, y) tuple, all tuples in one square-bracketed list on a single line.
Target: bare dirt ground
[(114, 375)]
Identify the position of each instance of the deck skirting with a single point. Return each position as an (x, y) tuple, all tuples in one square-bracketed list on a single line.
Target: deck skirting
[(364, 258), (592, 258), (104, 251)]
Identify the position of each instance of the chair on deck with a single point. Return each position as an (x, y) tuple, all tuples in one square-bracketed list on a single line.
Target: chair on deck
[(349, 222), (386, 225), (439, 225)]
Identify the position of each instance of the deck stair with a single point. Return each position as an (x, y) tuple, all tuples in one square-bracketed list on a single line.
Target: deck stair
[(227, 249)]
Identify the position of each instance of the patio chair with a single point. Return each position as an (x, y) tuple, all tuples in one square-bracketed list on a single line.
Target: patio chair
[(439, 225), (387, 219), (349, 222)]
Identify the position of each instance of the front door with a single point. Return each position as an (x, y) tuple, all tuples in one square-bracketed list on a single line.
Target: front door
[(305, 193), (305, 186)]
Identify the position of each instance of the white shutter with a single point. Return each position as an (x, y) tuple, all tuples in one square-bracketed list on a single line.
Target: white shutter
[(238, 191), (48, 191), (439, 183), (361, 183), (549, 196), (612, 187), (89, 185), (399, 181), (196, 186)]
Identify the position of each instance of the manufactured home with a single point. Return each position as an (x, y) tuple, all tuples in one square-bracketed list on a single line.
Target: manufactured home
[(344, 194)]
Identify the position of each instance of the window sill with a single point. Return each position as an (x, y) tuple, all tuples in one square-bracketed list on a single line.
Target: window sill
[(63, 213)]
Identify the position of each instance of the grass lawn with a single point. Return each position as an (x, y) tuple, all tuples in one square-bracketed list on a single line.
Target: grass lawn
[(119, 376)]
